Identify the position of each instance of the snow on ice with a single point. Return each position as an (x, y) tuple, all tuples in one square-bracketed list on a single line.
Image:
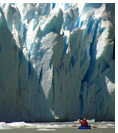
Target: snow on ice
[(57, 61)]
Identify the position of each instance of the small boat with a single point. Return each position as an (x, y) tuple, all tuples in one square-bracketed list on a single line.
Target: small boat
[(89, 127)]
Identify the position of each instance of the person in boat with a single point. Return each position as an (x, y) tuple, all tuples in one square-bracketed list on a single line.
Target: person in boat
[(84, 123)]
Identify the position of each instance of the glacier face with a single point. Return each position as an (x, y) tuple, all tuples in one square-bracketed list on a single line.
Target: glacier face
[(57, 61)]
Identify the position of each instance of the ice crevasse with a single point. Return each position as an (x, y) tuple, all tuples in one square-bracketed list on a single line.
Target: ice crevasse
[(57, 61)]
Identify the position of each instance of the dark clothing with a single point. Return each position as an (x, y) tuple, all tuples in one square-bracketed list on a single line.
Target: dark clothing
[(84, 123)]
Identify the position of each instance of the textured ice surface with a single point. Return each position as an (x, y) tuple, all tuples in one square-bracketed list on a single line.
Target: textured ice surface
[(57, 61)]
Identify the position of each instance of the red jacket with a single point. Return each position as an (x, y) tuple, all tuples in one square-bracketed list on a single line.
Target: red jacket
[(84, 123)]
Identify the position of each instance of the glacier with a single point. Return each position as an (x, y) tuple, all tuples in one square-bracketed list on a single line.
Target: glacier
[(57, 61)]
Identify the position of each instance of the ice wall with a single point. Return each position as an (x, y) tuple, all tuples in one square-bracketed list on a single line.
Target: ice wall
[(57, 62)]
